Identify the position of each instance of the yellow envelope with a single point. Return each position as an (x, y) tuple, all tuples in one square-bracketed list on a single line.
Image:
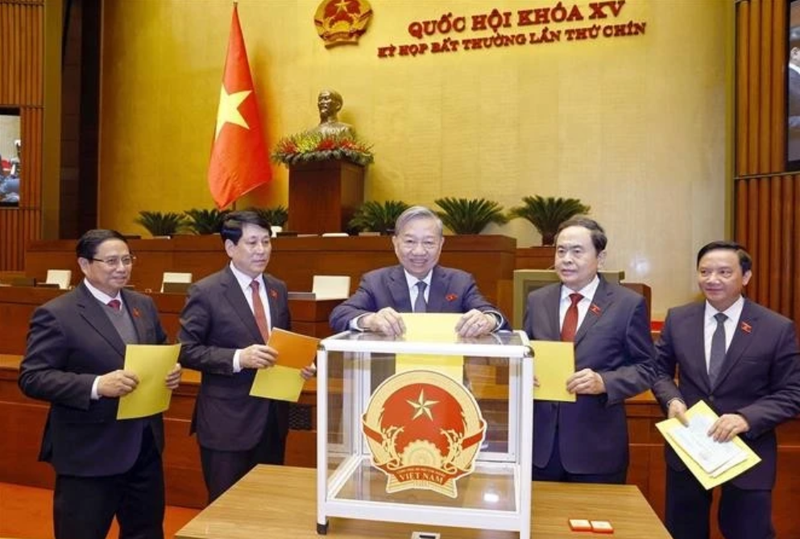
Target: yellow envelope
[(431, 327), (278, 383), (151, 363), (283, 381), (707, 480), (554, 362), (452, 366)]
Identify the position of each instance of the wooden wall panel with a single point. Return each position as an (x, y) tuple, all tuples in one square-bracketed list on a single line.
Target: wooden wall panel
[(22, 86), (766, 197)]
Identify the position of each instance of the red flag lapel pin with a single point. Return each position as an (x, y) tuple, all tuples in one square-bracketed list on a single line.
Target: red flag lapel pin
[(136, 313), (273, 293), (595, 308), (451, 297), (747, 328)]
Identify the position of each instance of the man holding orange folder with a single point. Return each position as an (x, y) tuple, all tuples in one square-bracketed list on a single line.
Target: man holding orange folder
[(225, 326)]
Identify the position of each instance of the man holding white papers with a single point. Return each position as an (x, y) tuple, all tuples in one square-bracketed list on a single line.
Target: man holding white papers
[(586, 441), (418, 284), (225, 325), (74, 360), (743, 361)]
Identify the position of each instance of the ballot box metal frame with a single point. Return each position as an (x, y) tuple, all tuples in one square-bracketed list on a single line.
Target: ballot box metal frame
[(348, 486)]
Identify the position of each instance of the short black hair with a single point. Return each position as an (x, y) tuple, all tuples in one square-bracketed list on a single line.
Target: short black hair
[(745, 260), (88, 243), (235, 221), (599, 239)]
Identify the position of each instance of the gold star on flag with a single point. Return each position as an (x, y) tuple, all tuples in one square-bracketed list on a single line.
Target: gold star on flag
[(228, 111), (422, 406)]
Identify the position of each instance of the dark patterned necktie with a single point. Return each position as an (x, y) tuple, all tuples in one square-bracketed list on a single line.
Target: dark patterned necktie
[(717, 356), (420, 306)]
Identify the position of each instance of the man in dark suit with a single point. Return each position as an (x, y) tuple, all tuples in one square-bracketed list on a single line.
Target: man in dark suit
[(587, 441), (743, 361), (418, 284), (225, 325), (74, 360)]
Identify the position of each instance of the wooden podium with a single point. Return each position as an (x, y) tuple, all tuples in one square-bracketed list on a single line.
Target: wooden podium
[(324, 195)]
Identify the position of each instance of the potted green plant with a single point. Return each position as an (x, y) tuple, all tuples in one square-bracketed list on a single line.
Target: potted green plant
[(162, 224), (469, 216), (202, 222), (547, 213), (276, 216), (377, 216)]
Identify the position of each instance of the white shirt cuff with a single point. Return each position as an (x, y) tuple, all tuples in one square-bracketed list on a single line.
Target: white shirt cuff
[(95, 395), (237, 367)]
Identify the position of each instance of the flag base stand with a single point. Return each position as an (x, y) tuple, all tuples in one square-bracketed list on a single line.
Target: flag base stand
[(324, 195)]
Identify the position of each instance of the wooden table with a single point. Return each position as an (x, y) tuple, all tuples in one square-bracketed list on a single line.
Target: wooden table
[(274, 501)]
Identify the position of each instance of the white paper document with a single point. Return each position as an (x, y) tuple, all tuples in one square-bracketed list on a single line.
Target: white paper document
[(713, 457)]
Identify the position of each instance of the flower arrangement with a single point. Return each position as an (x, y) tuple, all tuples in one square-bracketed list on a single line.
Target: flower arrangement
[(313, 146)]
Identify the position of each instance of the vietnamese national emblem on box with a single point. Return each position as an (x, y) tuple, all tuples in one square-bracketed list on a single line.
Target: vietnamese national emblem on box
[(424, 430)]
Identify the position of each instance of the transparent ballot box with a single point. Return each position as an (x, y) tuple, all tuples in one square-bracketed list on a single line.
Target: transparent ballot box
[(417, 431)]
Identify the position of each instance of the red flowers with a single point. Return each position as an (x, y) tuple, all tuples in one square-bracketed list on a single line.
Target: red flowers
[(451, 297)]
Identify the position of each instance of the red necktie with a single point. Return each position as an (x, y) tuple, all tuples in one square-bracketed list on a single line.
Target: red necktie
[(570, 325), (115, 304), (259, 312)]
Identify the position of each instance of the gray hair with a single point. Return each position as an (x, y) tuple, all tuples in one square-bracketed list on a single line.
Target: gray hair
[(417, 212)]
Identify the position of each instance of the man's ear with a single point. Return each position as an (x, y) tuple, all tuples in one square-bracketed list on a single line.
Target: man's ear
[(601, 259)]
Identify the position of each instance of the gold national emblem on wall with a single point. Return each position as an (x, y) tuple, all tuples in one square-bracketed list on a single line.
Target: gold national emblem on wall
[(342, 21), (424, 430)]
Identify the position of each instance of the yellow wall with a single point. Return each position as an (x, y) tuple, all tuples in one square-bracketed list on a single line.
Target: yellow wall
[(636, 127)]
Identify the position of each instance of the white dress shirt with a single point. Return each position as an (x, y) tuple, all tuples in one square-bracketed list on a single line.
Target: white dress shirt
[(587, 292)]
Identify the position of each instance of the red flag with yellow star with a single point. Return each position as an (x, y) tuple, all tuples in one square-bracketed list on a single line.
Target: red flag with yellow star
[(239, 159)]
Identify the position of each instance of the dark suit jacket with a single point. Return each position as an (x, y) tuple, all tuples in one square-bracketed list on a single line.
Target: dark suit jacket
[(452, 291), (760, 378), (215, 322), (613, 340), (71, 341)]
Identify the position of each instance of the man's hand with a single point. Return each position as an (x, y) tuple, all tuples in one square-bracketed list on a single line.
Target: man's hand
[(387, 321), (586, 382), (258, 356), (173, 379), (475, 323), (727, 427), (677, 409), (308, 372), (117, 383)]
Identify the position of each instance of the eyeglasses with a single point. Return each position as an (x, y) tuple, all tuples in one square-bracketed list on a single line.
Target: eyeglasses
[(410, 245), (114, 261)]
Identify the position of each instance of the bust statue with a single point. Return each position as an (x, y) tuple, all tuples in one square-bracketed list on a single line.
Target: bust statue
[(329, 103)]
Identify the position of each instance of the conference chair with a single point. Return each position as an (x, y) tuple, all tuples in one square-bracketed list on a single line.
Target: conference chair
[(331, 286), (62, 278), (175, 282)]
